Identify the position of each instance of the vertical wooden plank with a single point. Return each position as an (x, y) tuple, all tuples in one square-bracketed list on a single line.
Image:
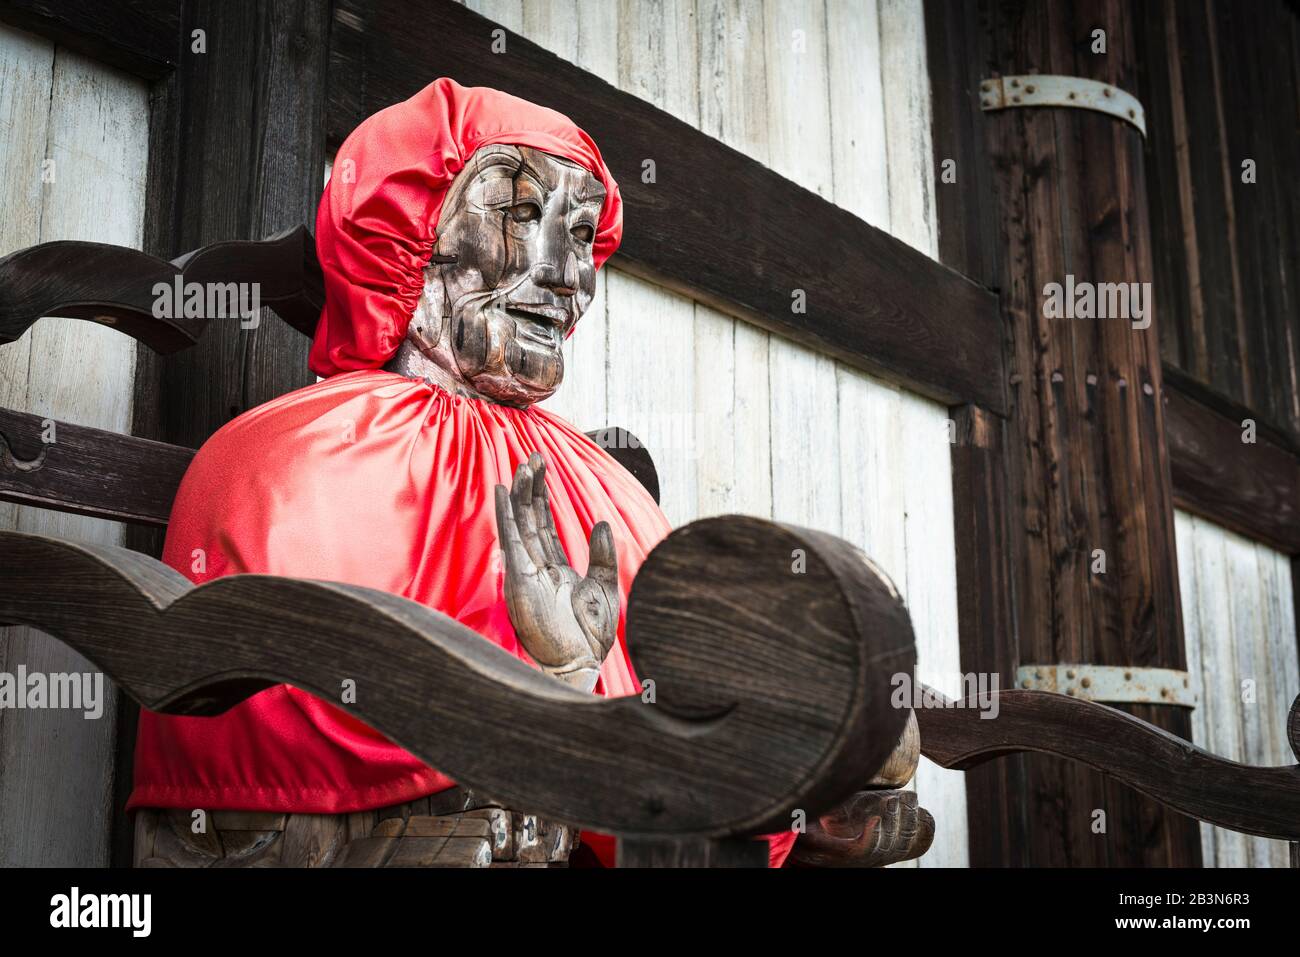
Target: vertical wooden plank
[(26, 71), (932, 602), (857, 108), (1189, 588), (1219, 673), (922, 456), (651, 356), (805, 468), (733, 74), (57, 767), (906, 87), (262, 73), (752, 440), (651, 371), (507, 13), (1274, 650), (598, 38), (1091, 462), (871, 440), (732, 412), (1248, 645), (794, 38), (1240, 625), (657, 55)]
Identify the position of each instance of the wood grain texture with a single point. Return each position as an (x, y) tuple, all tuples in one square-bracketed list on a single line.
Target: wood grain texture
[(1088, 435), (1253, 800), (785, 706), (79, 163), (1220, 88), (1237, 603), (263, 74), (920, 323), (1251, 487), (139, 36), (114, 285)]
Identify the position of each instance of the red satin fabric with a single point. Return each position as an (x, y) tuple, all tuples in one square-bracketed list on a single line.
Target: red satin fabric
[(372, 479), (376, 226)]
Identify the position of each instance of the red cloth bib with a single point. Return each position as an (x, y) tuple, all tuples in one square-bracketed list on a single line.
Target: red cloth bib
[(372, 479)]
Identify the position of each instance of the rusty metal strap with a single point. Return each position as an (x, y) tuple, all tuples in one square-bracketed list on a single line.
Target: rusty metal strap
[(1008, 92), (1111, 684)]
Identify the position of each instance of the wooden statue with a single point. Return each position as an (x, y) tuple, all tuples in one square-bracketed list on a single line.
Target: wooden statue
[(459, 239)]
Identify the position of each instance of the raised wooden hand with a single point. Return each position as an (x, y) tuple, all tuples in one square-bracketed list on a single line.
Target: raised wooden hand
[(566, 622)]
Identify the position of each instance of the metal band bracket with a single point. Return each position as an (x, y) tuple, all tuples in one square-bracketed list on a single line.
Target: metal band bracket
[(1111, 684), (1007, 92)]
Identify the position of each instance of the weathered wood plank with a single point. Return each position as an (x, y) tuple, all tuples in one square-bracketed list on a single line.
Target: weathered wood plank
[(872, 301), (1087, 434), (1250, 487), (1237, 604), (88, 159), (139, 36)]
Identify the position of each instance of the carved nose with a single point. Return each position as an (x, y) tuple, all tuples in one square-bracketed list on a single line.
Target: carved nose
[(564, 282), (571, 273)]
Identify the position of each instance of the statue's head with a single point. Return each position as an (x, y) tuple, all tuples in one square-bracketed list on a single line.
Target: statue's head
[(459, 237), (515, 238)]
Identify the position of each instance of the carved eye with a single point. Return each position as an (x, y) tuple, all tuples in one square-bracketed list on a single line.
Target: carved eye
[(583, 233), (525, 212)]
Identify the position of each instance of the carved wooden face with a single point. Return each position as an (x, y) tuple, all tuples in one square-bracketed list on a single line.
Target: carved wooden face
[(520, 224)]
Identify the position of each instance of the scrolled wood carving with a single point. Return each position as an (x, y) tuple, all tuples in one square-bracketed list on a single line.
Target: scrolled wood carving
[(114, 285), (771, 686), (1253, 800)]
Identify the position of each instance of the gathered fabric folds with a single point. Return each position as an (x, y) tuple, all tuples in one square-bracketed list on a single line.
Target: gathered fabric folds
[(371, 479)]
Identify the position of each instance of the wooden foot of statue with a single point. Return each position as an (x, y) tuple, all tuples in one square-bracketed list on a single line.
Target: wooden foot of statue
[(882, 824)]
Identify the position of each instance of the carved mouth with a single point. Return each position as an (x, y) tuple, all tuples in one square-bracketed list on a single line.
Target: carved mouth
[(528, 327), (556, 315)]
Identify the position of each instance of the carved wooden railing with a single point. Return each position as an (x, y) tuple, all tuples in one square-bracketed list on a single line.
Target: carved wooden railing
[(771, 689), (1241, 797)]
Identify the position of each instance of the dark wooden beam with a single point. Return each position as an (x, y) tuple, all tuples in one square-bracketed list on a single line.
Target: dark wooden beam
[(986, 623), (236, 151), (88, 471), (1251, 488), (716, 225), (140, 36), (1088, 465)]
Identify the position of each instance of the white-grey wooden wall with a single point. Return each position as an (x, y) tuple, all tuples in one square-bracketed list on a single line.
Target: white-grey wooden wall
[(72, 166), (1240, 625), (833, 94)]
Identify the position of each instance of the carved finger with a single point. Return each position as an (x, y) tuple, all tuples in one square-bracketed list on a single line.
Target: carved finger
[(597, 615), (549, 537), (512, 547), (602, 565), (521, 505)]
